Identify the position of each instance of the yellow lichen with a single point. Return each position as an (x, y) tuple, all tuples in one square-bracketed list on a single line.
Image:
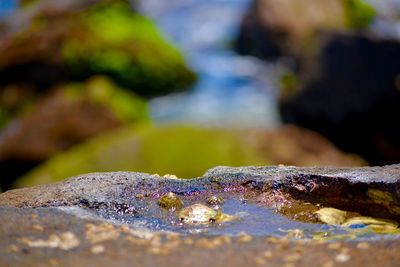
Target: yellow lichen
[(379, 196), (331, 216)]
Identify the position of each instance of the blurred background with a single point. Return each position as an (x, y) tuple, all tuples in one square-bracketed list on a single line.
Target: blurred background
[(180, 86)]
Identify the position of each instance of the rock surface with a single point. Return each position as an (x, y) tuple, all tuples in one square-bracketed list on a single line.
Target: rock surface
[(40, 225)]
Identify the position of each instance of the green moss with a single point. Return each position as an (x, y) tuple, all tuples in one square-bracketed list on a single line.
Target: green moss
[(128, 48), (359, 13), (4, 117), (184, 151), (125, 105), (288, 83)]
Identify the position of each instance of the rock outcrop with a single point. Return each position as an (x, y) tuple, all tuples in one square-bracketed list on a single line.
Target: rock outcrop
[(54, 42), (344, 80), (351, 96), (113, 218)]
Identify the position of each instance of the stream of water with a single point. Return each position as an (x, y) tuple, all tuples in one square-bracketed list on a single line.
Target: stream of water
[(231, 89)]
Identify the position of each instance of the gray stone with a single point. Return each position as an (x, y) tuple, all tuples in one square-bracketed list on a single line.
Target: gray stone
[(98, 219)]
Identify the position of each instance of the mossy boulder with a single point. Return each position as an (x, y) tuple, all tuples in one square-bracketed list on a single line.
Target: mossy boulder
[(188, 151), (62, 42), (67, 115)]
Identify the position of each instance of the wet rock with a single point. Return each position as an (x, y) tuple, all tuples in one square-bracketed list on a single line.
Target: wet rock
[(335, 187), (52, 42), (55, 224), (66, 116), (190, 151), (351, 96)]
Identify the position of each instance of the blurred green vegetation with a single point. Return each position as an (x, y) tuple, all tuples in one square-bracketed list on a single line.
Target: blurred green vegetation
[(287, 83), (186, 151), (61, 45), (359, 13), (100, 90), (4, 117), (128, 48)]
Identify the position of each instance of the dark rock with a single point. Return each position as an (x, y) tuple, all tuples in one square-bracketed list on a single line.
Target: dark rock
[(64, 223), (352, 97), (256, 40), (273, 28)]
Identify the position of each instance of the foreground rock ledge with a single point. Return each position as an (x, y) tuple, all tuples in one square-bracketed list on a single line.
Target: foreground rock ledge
[(33, 232)]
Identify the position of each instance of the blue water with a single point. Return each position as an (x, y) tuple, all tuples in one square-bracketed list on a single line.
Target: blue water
[(252, 219), (232, 89), (7, 7)]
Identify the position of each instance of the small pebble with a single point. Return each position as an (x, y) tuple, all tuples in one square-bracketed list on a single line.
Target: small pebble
[(13, 248), (328, 264), (97, 249), (37, 227), (170, 176), (259, 261), (170, 201), (292, 257), (244, 238), (342, 257), (54, 262), (363, 245), (267, 254), (335, 246), (214, 200)]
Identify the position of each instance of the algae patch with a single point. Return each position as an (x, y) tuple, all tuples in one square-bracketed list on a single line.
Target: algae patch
[(357, 225)]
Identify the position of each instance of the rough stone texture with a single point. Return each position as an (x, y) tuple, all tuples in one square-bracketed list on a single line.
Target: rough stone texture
[(120, 186), (33, 232), (129, 250)]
